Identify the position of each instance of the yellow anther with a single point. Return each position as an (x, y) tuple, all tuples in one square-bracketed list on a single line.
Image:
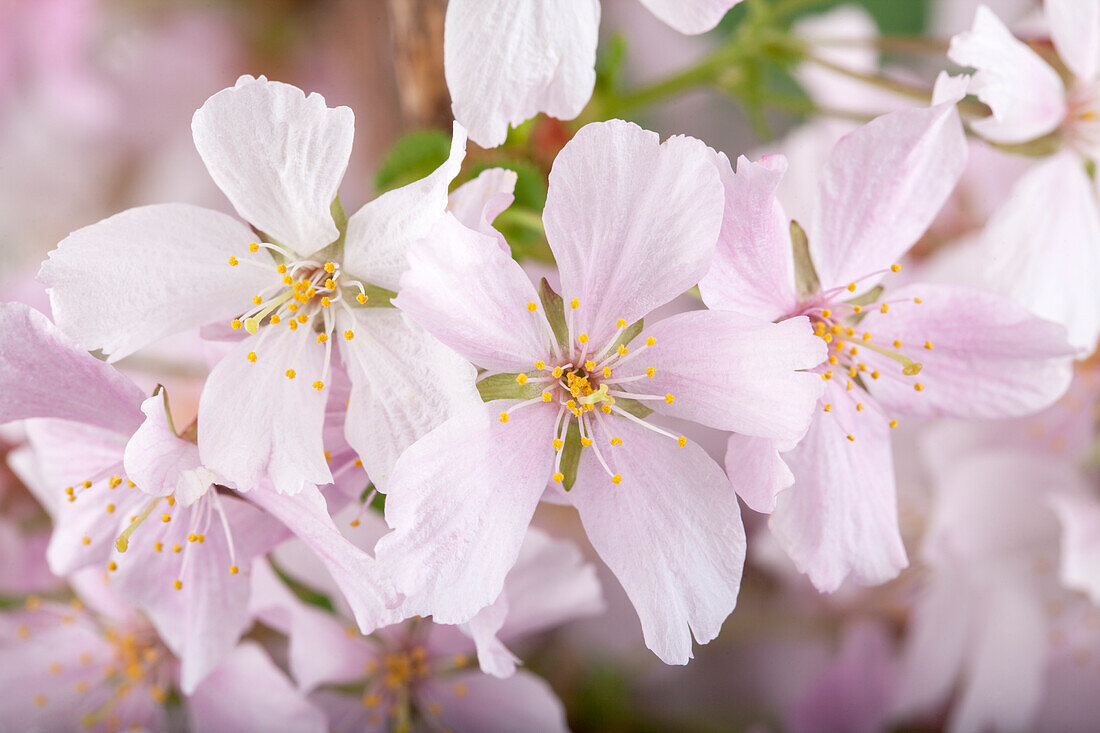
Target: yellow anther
[(574, 304), (895, 268), (867, 336), (826, 313), (616, 479), (571, 405), (349, 334), (912, 369), (358, 462), (850, 437), (112, 566), (616, 441), (233, 570), (540, 364), (828, 337), (114, 482), (235, 324), (928, 345), (326, 302), (833, 359), (166, 517), (853, 351), (178, 584), (292, 307), (233, 261), (521, 379), (849, 331), (291, 374), (159, 546), (558, 443), (682, 441), (835, 328), (546, 396), (897, 344), (361, 298), (884, 308), (110, 508), (322, 338), (330, 267), (176, 548), (583, 338), (281, 269), (918, 301), (287, 280), (557, 372), (275, 319), (875, 374), (586, 441), (330, 284), (192, 537), (504, 417), (257, 300), (669, 399), (302, 318), (919, 387), (590, 365), (531, 306), (828, 407), (857, 308), (605, 408), (318, 385), (893, 423), (293, 325), (851, 287), (623, 350), (40, 700), (650, 341), (253, 247), (559, 477), (621, 323), (859, 407)]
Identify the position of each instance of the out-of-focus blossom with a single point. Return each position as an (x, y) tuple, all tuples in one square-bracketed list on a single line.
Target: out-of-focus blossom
[(508, 60), (632, 223), (95, 664), (1042, 247), (423, 670), (924, 351), (302, 286)]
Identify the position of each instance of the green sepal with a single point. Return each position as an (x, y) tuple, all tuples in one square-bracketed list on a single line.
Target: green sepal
[(571, 455), (628, 334), (806, 281), (634, 407), (341, 220), (505, 387), (554, 308), (376, 297)]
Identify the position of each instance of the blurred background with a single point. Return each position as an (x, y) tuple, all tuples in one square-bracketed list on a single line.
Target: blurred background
[(96, 99)]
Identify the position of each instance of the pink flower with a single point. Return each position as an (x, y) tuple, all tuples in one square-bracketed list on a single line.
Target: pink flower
[(508, 60), (96, 665), (1042, 247), (309, 282), (425, 670), (925, 350), (128, 494), (632, 223)]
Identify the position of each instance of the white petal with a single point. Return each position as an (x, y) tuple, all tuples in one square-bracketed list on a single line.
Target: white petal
[(1026, 95), (478, 202), (149, 272), (278, 156), (160, 462), (1075, 29), (405, 383), (381, 232), (508, 60), (256, 423), (690, 16)]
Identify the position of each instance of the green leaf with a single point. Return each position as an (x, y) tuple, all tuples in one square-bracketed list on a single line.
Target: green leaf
[(805, 275), (554, 308), (505, 387), (304, 592), (411, 158)]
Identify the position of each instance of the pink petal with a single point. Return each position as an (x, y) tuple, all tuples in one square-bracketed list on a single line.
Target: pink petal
[(1080, 555), (160, 462), (1075, 30), (165, 268), (478, 202), (757, 471), (471, 295), (989, 358), (278, 156), (670, 531), (369, 594), (44, 374), (257, 423), (249, 692), (690, 16), (405, 383), (460, 500), (1026, 95), (753, 271), (632, 221), (732, 372), (472, 701), (1042, 247), (841, 515), (380, 234), (506, 61), (883, 185)]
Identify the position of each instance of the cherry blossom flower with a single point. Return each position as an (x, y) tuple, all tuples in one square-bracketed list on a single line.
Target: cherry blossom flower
[(95, 664), (920, 350), (303, 279), (1042, 246), (569, 381), (508, 60), (128, 494), (424, 670)]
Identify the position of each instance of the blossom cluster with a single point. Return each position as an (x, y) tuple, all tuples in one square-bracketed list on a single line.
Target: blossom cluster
[(721, 358)]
